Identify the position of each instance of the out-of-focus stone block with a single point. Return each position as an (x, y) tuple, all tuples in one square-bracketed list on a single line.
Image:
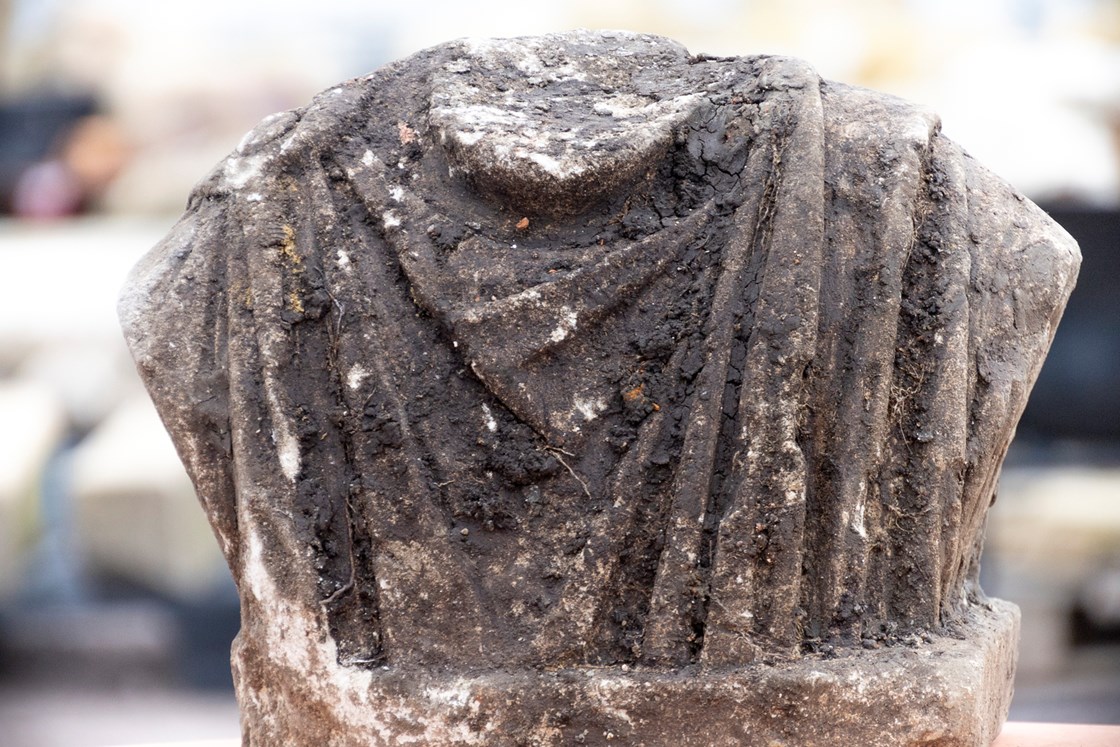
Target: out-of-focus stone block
[(1050, 535), (91, 379), (135, 512), (34, 422)]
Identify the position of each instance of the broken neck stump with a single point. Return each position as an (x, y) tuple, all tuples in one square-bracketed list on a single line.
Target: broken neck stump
[(577, 390)]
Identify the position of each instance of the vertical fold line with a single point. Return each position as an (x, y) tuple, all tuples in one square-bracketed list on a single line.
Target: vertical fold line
[(268, 486), (955, 389), (353, 605), (872, 228), (930, 402), (674, 602), (410, 533), (755, 589)]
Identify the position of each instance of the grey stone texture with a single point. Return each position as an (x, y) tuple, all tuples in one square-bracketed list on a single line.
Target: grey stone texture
[(580, 390)]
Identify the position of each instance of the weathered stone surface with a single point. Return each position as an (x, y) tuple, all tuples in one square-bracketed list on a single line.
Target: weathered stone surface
[(538, 389)]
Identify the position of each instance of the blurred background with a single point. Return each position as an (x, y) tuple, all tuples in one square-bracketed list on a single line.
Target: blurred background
[(116, 611)]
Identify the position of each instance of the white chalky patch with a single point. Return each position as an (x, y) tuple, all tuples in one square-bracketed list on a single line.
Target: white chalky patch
[(286, 626), (240, 171), (289, 142), (258, 133), (396, 194), (857, 521), (491, 424), (294, 639), (603, 692), (475, 314), (554, 167), (343, 259), (568, 320), (356, 376), (390, 220), (287, 448), (919, 130), (589, 408), (453, 696), (246, 140), (469, 137), (627, 105), (367, 158), (287, 445)]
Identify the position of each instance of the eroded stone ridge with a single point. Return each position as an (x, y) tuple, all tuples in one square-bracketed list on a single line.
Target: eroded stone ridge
[(580, 354)]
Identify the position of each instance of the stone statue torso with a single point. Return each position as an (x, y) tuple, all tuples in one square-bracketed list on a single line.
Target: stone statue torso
[(538, 355)]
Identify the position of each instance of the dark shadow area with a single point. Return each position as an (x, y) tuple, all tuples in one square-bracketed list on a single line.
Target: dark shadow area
[(1077, 396)]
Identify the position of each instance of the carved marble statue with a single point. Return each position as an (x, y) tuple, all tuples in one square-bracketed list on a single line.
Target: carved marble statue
[(580, 390)]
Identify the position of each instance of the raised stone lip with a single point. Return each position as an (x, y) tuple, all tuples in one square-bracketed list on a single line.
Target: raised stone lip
[(577, 131), (954, 690)]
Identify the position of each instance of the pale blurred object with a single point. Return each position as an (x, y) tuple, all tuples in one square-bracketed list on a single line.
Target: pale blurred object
[(34, 424), (116, 715), (1020, 734), (1100, 598), (208, 743), (95, 152), (89, 378), (1059, 517), (60, 283), (36, 181), (136, 516), (1024, 85), (183, 82), (81, 168), (46, 191), (1030, 110), (1049, 536)]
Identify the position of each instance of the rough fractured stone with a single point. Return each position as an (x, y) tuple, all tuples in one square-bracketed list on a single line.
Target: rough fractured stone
[(577, 390)]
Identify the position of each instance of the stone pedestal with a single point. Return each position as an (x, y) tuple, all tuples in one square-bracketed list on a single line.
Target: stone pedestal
[(946, 691)]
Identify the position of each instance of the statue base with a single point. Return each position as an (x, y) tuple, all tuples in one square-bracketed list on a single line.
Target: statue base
[(953, 691)]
